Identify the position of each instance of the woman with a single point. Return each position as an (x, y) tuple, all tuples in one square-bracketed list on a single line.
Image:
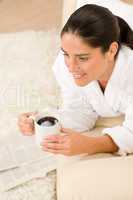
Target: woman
[(94, 70)]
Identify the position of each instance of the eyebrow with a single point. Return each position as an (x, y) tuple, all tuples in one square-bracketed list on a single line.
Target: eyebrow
[(83, 54)]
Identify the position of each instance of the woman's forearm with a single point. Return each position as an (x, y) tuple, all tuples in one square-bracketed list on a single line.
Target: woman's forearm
[(104, 144)]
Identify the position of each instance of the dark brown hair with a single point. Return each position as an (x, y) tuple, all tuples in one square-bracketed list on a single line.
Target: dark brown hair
[(98, 27)]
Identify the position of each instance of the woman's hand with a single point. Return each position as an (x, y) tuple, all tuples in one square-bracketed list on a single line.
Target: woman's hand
[(69, 143), (25, 123)]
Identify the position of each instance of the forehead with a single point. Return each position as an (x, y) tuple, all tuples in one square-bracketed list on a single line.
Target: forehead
[(72, 43)]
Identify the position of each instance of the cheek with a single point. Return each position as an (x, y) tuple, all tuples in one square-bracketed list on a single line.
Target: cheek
[(91, 66), (94, 68)]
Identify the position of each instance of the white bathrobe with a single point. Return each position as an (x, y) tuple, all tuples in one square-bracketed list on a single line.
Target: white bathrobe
[(82, 105)]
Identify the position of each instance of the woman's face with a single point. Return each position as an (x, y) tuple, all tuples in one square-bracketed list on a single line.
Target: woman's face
[(84, 62)]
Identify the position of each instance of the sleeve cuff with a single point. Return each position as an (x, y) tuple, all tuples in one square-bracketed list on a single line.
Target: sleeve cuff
[(122, 137)]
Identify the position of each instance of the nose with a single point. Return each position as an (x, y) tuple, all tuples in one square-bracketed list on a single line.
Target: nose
[(72, 64)]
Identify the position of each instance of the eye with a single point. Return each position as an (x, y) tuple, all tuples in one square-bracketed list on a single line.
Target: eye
[(65, 55), (83, 58)]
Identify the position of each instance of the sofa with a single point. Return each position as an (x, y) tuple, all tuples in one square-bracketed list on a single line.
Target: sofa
[(97, 177)]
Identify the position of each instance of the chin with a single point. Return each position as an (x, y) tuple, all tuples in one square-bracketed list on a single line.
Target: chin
[(81, 83)]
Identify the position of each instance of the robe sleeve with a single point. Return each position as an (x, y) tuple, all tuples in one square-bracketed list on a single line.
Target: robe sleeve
[(123, 135), (75, 112)]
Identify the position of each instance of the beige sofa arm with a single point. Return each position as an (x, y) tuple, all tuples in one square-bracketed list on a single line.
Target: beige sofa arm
[(96, 179)]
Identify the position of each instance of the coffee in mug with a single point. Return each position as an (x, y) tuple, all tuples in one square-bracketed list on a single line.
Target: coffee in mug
[(44, 126)]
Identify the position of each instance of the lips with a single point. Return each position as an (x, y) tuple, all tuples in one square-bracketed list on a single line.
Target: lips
[(78, 76)]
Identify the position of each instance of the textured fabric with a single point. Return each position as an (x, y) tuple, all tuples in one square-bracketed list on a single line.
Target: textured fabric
[(96, 177), (27, 84)]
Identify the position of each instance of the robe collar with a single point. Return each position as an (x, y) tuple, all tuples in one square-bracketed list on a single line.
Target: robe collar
[(108, 103)]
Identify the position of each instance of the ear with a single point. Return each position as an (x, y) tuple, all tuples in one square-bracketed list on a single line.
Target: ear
[(112, 51)]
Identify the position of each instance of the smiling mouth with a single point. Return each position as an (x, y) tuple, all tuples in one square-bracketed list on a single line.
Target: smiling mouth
[(78, 76)]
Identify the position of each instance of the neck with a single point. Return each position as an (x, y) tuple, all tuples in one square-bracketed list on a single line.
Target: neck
[(106, 76)]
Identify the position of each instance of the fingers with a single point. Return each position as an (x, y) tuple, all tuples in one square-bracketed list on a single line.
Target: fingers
[(67, 130), (26, 124), (26, 129), (55, 148), (25, 116), (55, 142), (56, 138), (64, 152)]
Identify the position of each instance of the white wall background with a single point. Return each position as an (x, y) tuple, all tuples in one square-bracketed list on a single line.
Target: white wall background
[(68, 7)]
